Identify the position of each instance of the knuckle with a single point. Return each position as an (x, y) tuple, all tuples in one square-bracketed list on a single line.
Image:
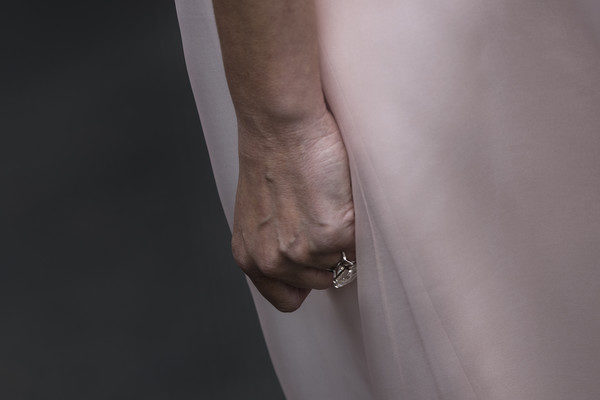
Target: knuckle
[(299, 253), (270, 264), (337, 234), (329, 235), (269, 269), (240, 255), (348, 219), (329, 238)]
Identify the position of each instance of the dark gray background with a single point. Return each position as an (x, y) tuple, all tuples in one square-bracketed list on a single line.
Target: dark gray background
[(116, 280)]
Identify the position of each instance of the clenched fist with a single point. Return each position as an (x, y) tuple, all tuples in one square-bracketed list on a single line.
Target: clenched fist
[(294, 211)]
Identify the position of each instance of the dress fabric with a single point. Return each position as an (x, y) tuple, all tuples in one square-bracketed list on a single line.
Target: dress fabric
[(473, 132)]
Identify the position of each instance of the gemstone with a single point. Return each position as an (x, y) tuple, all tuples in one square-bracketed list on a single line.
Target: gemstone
[(344, 273)]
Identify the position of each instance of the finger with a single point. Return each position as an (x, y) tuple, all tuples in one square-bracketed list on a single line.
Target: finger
[(326, 260), (322, 252), (294, 274), (284, 297), (326, 250), (308, 277)]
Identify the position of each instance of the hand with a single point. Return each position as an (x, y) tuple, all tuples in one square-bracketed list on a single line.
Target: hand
[(294, 212)]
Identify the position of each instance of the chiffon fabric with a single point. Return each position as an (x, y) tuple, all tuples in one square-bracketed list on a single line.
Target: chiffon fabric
[(473, 132)]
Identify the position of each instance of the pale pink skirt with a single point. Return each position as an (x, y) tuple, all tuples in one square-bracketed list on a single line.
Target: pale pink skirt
[(473, 129)]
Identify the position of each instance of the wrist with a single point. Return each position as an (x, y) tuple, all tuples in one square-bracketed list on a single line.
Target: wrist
[(269, 139)]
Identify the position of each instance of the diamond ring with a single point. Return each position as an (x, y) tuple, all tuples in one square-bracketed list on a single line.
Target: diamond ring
[(344, 272)]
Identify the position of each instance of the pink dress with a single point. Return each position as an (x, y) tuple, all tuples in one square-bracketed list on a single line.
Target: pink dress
[(473, 131)]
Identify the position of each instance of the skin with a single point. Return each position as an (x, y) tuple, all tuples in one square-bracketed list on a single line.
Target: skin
[(294, 211)]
